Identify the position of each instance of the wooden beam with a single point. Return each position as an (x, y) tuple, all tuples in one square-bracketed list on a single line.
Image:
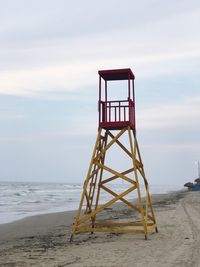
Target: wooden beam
[(94, 172), (122, 199), (88, 201), (115, 176), (139, 164), (121, 224), (151, 227), (109, 230), (110, 143), (131, 205), (86, 181), (115, 172), (133, 151), (144, 176), (101, 175), (93, 213)]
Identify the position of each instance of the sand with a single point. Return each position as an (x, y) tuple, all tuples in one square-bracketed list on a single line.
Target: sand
[(44, 240)]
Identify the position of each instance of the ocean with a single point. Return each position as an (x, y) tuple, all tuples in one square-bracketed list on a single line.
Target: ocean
[(22, 199)]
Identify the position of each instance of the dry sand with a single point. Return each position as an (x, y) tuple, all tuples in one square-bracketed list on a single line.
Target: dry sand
[(44, 240)]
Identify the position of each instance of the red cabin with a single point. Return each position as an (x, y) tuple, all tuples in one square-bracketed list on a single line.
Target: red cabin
[(116, 114)]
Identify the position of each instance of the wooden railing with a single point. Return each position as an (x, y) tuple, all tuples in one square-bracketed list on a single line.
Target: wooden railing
[(117, 111)]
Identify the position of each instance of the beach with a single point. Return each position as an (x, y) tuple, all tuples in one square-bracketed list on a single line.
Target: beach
[(43, 240)]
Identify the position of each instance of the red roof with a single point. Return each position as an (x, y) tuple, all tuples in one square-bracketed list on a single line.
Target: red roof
[(117, 74)]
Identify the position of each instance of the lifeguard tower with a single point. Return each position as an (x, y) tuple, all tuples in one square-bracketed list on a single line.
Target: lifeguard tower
[(116, 119)]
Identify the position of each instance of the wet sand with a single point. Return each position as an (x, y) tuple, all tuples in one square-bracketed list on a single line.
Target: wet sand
[(44, 240)]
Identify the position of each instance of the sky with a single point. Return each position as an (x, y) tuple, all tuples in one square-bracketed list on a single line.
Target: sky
[(50, 54)]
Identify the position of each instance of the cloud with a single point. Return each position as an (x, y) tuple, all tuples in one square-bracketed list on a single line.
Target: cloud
[(11, 116), (181, 114), (183, 147), (64, 77), (68, 62), (49, 20)]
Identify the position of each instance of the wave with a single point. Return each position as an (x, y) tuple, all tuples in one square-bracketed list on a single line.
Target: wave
[(35, 198)]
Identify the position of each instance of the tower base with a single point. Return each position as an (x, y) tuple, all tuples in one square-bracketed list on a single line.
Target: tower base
[(96, 182)]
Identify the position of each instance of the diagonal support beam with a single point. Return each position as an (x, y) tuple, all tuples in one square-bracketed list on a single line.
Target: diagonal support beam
[(115, 172), (138, 163), (92, 214), (125, 201), (116, 176), (88, 200), (122, 199), (94, 172), (110, 143)]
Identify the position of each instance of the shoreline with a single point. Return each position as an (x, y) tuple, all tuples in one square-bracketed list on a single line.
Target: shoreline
[(39, 213), (53, 219), (43, 240), (60, 209)]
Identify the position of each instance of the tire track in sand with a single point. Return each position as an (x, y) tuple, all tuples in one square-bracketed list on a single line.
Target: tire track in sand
[(193, 216)]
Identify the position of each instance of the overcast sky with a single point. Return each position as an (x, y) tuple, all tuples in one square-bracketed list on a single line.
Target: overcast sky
[(50, 53)]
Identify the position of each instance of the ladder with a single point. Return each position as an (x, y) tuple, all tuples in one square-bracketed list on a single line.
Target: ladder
[(95, 174)]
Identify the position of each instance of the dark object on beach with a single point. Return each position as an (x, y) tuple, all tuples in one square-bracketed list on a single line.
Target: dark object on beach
[(189, 185), (196, 187), (197, 180), (193, 187)]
